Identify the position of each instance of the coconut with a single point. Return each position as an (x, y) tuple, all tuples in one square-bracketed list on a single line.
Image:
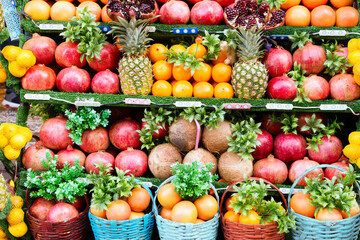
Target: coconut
[(182, 134), (203, 156), (232, 167), (161, 158), (216, 139)]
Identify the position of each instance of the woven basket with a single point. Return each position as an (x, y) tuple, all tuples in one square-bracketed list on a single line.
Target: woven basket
[(240, 231), (312, 229), (77, 228), (170, 230), (139, 228)]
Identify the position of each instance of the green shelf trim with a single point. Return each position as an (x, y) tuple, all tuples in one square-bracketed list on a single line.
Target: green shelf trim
[(22, 114)]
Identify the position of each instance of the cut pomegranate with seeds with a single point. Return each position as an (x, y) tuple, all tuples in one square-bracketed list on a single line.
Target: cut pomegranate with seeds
[(127, 9)]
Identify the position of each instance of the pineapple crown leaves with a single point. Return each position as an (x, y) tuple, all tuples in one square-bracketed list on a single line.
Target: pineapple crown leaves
[(273, 3), (244, 138), (184, 59), (298, 76), (230, 37), (207, 117), (192, 180), (85, 31), (212, 42), (299, 40), (290, 123), (249, 43), (334, 63)]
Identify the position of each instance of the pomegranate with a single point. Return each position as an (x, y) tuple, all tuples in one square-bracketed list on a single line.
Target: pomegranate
[(109, 58), (105, 82), (142, 9), (175, 12), (271, 169), (161, 132), (266, 145), (67, 55), (344, 88), (54, 135), (332, 172), (329, 151), (278, 61), (62, 212), (306, 116), (95, 140), (224, 3), (40, 208), (70, 155), (33, 155), (134, 160), (289, 147), (123, 134), (282, 87), (311, 58), (73, 79), (316, 87), (42, 47), (206, 12), (95, 158), (270, 122), (300, 166), (343, 51), (38, 78), (79, 203)]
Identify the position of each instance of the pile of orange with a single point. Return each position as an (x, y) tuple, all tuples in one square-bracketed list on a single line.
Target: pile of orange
[(176, 209), (320, 13)]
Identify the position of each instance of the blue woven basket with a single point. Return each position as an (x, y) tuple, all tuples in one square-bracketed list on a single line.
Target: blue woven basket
[(312, 229), (139, 228), (170, 230)]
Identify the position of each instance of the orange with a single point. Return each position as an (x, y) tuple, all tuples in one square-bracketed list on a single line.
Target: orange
[(228, 202), (341, 3), (325, 215), (139, 199), (252, 218), (323, 16), (134, 215), (182, 89), (223, 90), (203, 74), (100, 214), (156, 52), (81, 1), (221, 58), (93, 7), (203, 90), (311, 4), (184, 212), (231, 216), (62, 11), (165, 213), (178, 48), (221, 73), (198, 50), (104, 16), (207, 207), (290, 3), (353, 211), (347, 17), (301, 203), (180, 74), (119, 210), (297, 16), (104, 1), (37, 10), (162, 70), (167, 196), (161, 88)]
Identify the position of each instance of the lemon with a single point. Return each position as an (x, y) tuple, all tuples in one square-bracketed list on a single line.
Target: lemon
[(15, 216), (16, 70), (11, 153), (3, 75), (354, 57), (18, 230), (17, 202), (11, 52), (26, 59), (2, 233), (352, 151), (18, 141), (357, 79), (354, 45), (3, 141), (26, 132), (354, 137), (10, 130)]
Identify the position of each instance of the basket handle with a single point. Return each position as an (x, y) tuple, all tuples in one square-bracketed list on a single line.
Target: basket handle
[(252, 178)]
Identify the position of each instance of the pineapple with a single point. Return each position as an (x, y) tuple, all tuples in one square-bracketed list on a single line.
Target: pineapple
[(249, 76), (2, 19), (4, 193), (135, 69)]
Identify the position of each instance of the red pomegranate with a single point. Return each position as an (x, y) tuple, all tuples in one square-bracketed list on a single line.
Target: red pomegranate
[(133, 160), (207, 12), (225, 3), (54, 135), (311, 58), (70, 155), (266, 145), (105, 82), (95, 158), (343, 51), (67, 55), (175, 12), (123, 134), (299, 166), (73, 79), (306, 116), (161, 132), (109, 58), (278, 61), (62, 212), (329, 151), (270, 122), (38, 78), (332, 172), (42, 47), (33, 155), (271, 169), (142, 9), (344, 88), (282, 87), (316, 87), (40, 208), (95, 140), (289, 147)]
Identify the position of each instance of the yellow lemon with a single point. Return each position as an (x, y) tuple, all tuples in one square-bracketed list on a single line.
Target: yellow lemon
[(3, 141), (18, 141), (10, 130), (354, 57), (26, 59), (352, 151), (3, 75), (354, 137), (26, 132), (15, 216), (17, 202), (2, 233), (18, 230), (16, 70), (11, 52), (11, 153), (354, 44), (357, 79)]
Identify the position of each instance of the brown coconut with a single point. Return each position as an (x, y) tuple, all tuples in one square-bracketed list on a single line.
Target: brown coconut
[(203, 156), (232, 167), (161, 158), (182, 134), (215, 140)]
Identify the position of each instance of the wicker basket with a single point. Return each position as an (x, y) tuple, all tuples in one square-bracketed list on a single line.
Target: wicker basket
[(77, 228), (312, 229), (170, 230), (239, 231), (139, 228)]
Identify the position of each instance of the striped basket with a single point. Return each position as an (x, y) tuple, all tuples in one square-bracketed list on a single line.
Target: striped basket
[(312, 229), (170, 230), (139, 228)]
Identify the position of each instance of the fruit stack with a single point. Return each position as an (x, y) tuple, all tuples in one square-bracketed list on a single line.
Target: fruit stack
[(352, 150), (20, 60), (17, 226)]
